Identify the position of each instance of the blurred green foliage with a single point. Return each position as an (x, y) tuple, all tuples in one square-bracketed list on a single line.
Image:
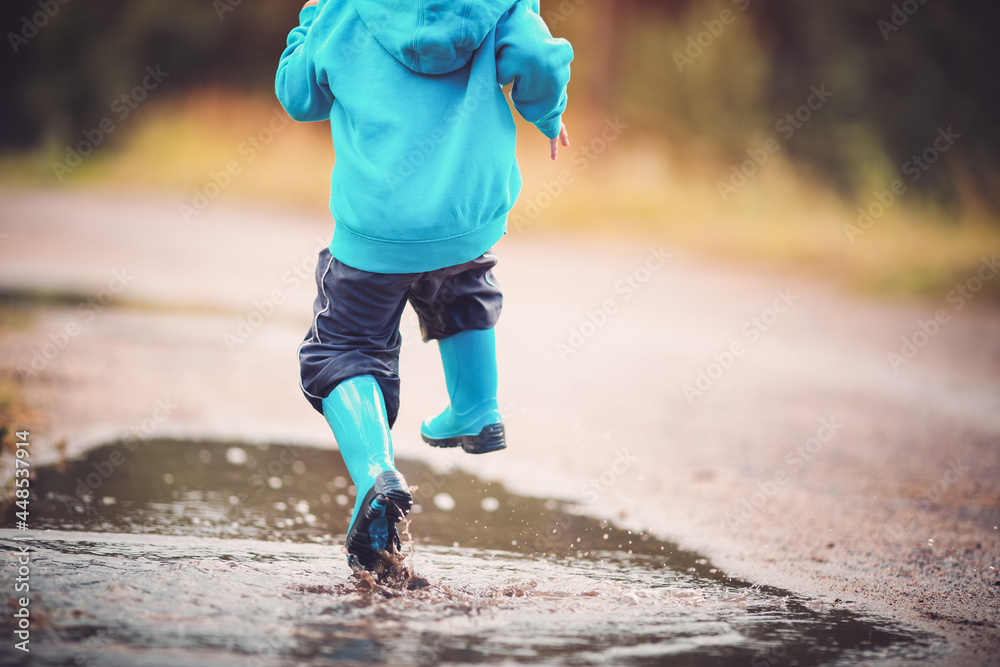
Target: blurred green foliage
[(67, 77), (898, 70), (899, 76)]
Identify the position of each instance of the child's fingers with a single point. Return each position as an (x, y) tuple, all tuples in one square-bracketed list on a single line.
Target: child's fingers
[(563, 139), (310, 3)]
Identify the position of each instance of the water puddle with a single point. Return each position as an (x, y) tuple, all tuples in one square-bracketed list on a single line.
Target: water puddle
[(181, 553)]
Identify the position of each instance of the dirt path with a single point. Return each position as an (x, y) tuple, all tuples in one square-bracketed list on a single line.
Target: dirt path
[(797, 456)]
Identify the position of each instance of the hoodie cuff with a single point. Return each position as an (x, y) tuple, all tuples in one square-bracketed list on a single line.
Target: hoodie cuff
[(550, 128)]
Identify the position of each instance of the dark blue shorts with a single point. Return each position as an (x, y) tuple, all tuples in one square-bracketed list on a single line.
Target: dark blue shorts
[(356, 315)]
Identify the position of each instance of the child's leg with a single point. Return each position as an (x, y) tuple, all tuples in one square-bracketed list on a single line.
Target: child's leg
[(459, 307), (355, 331), (472, 419), (349, 368), (356, 413)]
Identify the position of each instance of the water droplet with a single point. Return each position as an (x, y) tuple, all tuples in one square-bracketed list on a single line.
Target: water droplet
[(108, 500), (168, 478), (490, 504), (274, 482), (205, 456), (930, 542), (444, 502), (551, 505), (302, 507), (236, 455), (605, 536), (341, 499), (298, 467), (281, 507)]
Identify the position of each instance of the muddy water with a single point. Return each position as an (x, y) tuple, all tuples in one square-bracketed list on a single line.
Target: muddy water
[(179, 553)]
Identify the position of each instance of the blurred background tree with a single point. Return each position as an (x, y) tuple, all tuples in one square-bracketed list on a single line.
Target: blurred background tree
[(699, 84), (893, 87), (66, 77)]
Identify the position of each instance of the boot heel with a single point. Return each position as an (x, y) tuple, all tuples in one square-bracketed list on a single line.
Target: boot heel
[(374, 531), (391, 486), (491, 439)]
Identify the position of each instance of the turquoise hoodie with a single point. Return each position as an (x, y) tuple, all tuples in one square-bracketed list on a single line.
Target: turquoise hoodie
[(425, 172)]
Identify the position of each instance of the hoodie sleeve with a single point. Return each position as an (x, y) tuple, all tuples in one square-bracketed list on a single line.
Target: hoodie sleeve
[(536, 63), (297, 86)]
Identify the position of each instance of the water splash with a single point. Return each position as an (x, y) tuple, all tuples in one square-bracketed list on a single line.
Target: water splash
[(219, 565)]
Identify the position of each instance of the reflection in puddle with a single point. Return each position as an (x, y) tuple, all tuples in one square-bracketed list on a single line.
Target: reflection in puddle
[(179, 553)]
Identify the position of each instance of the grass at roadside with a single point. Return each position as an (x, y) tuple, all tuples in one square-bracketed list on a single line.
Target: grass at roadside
[(15, 413), (611, 182), (16, 416)]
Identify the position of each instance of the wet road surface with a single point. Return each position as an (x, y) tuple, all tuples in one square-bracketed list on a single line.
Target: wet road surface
[(198, 553), (898, 512)]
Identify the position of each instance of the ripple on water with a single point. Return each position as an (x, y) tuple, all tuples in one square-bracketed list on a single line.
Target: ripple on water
[(178, 573)]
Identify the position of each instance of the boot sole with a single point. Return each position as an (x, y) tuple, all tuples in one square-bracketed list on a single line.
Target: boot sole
[(388, 499), (491, 439)]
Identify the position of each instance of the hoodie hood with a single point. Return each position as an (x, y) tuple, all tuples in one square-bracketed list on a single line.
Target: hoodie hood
[(431, 36)]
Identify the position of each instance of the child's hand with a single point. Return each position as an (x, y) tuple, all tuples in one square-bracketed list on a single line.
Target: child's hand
[(310, 3), (563, 139)]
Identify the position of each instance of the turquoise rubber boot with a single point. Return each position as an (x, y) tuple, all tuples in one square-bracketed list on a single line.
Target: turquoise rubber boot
[(472, 420), (355, 411)]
